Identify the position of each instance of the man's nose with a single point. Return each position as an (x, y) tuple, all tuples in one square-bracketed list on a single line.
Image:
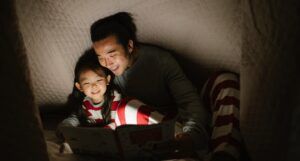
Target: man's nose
[(108, 62)]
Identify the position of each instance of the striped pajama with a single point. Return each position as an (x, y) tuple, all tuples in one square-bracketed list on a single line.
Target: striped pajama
[(221, 96), (133, 111), (125, 111)]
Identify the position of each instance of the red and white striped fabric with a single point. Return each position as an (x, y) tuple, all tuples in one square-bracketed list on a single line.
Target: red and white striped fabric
[(135, 112), (93, 111), (126, 111), (221, 94)]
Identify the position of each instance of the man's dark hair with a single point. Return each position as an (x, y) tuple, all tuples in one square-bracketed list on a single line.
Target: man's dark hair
[(120, 25)]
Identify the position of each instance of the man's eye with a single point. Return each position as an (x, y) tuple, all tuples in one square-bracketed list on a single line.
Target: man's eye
[(101, 60)]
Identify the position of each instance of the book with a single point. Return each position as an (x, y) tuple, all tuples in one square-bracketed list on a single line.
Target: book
[(126, 142)]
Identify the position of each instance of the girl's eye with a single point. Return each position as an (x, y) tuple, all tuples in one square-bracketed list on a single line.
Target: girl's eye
[(99, 80), (86, 83)]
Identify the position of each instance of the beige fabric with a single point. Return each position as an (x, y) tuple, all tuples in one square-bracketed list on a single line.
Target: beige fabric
[(207, 33), (21, 137), (270, 79)]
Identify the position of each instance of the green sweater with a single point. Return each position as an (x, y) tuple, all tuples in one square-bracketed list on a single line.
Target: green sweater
[(156, 79)]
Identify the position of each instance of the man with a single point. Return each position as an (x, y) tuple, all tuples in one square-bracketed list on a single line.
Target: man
[(150, 74), (153, 76)]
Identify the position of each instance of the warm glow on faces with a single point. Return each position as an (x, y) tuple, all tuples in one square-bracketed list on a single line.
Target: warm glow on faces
[(92, 85), (112, 55)]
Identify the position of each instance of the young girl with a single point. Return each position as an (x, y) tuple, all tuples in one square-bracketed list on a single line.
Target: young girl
[(102, 105)]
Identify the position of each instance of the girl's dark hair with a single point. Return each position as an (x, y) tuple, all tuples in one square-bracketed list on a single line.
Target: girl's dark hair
[(89, 61), (120, 25)]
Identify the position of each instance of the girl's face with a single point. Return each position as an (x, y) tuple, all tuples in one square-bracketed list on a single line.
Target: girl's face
[(92, 85)]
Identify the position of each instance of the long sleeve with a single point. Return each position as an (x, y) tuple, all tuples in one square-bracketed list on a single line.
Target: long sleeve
[(71, 120), (191, 110), (157, 80)]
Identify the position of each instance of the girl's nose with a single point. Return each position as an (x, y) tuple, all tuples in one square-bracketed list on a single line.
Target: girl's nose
[(94, 85)]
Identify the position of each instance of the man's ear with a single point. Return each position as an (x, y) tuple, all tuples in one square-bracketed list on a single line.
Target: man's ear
[(130, 46), (108, 79), (77, 85)]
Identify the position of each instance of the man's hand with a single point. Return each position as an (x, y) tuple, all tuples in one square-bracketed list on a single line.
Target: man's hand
[(181, 146), (185, 144)]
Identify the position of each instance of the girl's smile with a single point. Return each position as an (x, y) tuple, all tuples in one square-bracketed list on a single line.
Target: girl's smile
[(92, 85)]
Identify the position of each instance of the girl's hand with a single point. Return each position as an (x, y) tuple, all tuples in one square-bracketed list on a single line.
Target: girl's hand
[(91, 120)]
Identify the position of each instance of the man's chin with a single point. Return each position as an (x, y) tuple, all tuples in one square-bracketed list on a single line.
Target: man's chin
[(117, 73)]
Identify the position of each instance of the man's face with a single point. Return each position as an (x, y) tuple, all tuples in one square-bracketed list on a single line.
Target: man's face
[(112, 55)]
